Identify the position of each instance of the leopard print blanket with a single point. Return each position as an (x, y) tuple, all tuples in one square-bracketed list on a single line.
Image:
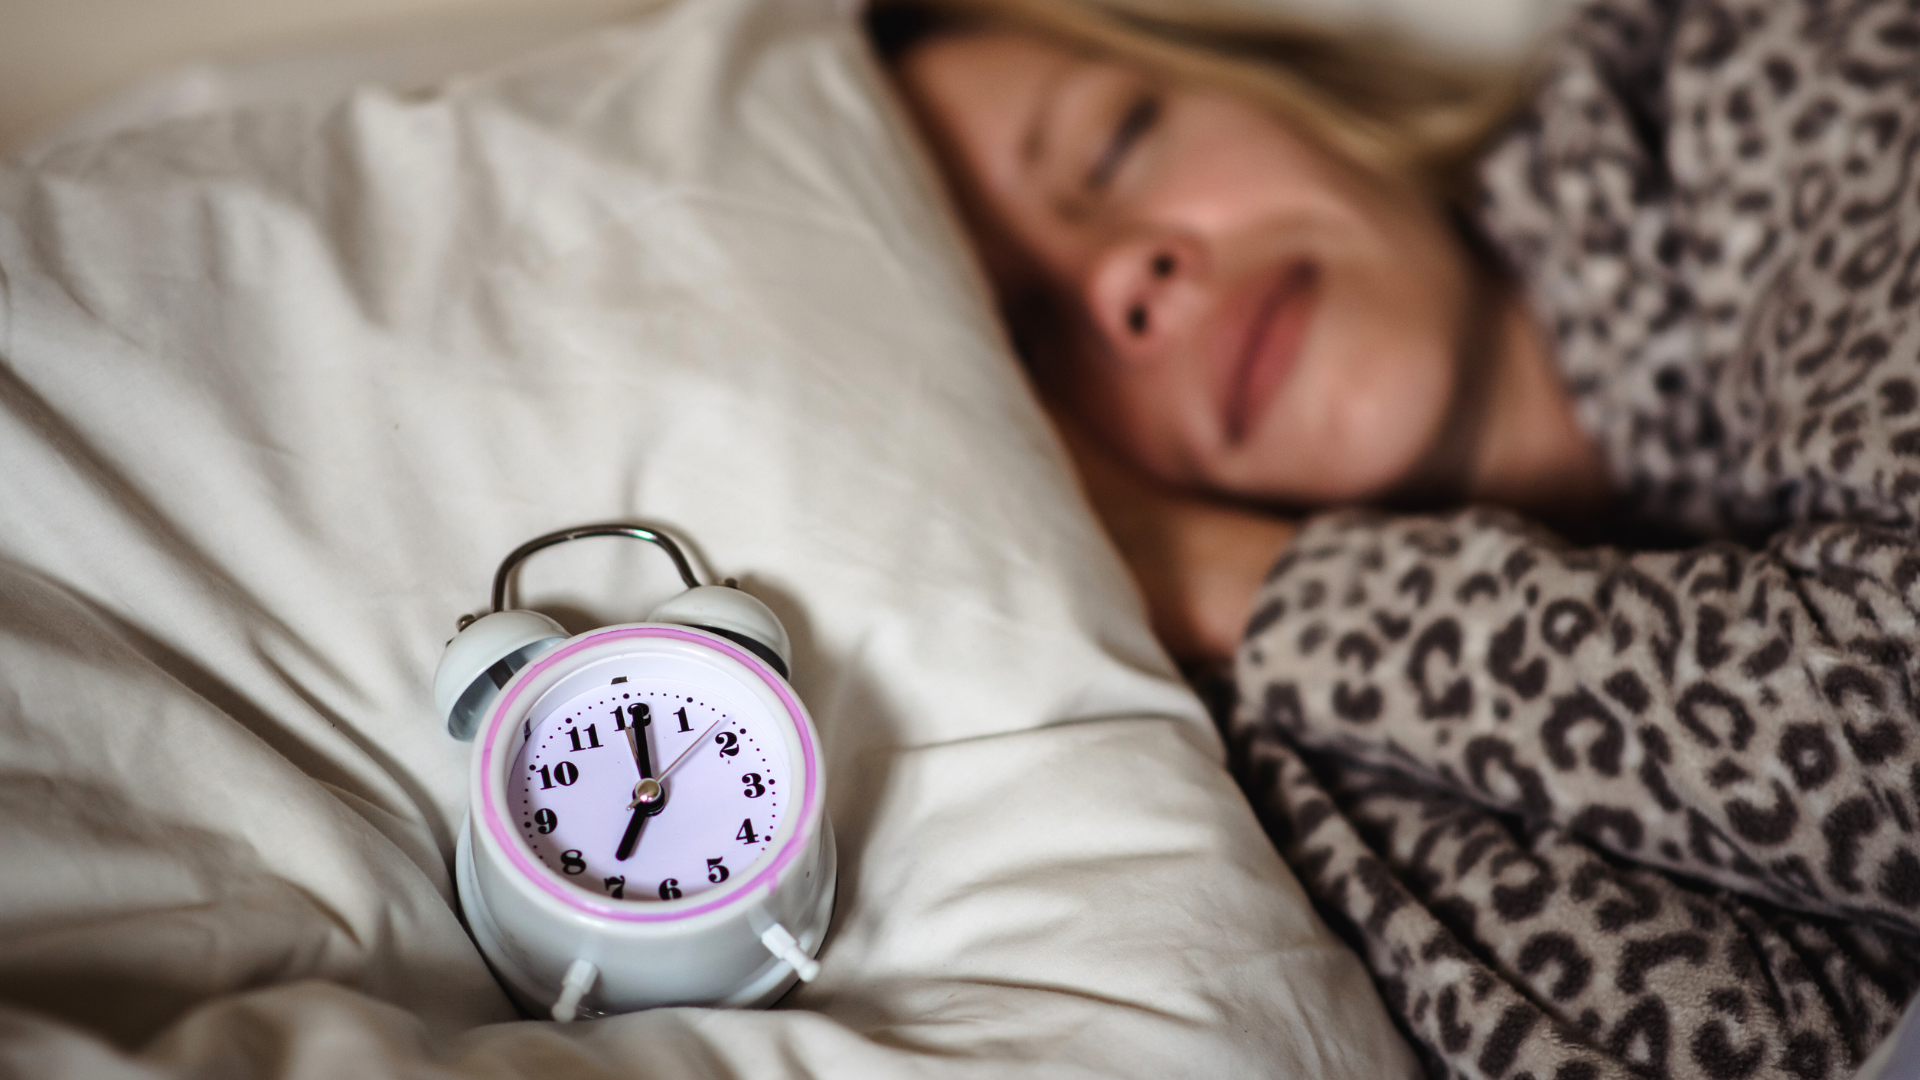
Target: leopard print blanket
[(1598, 813)]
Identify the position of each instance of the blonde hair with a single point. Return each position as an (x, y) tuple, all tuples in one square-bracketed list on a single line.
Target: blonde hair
[(1398, 112)]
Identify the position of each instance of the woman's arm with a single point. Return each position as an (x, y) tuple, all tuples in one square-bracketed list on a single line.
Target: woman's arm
[(1198, 562), (1745, 716)]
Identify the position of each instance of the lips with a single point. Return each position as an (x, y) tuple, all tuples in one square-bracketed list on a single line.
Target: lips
[(1268, 347)]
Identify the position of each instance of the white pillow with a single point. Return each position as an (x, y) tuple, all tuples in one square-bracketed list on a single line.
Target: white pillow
[(281, 386)]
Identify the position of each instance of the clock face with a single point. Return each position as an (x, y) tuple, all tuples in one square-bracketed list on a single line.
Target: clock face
[(719, 760)]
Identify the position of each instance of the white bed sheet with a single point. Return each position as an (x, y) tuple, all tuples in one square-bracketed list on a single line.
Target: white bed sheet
[(278, 387)]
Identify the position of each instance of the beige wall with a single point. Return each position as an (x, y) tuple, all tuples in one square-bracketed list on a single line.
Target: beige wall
[(59, 56)]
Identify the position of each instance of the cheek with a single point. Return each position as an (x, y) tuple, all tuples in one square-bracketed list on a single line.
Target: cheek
[(1140, 418), (1145, 414), (1370, 400)]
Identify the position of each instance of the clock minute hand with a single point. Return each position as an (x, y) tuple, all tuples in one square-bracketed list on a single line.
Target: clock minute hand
[(698, 740), (649, 798), (640, 755)]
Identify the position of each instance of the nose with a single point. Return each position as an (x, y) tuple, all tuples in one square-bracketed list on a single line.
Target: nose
[(1144, 291)]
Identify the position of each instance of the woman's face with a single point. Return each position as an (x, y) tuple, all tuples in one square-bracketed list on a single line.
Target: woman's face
[(1217, 299)]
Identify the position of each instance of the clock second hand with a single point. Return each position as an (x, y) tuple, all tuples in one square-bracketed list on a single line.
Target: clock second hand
[(697, 740)]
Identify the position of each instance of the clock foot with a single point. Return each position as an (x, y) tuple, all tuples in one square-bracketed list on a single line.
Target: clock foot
[(574, 986), (782, 944)]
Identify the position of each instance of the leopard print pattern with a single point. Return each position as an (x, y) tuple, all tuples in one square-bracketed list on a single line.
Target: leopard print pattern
[(1479, 930), (1513, 740), (1595, 813), (1706, 203)]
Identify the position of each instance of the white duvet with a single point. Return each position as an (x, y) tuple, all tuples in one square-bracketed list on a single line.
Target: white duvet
[(278, 387)]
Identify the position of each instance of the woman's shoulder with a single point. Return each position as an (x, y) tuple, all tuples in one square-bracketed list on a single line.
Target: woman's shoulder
[(1704, 201)]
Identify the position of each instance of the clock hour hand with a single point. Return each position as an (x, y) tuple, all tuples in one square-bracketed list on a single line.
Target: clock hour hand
[(649, 798)]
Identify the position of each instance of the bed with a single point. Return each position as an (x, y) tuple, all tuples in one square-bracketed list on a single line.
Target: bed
[(284, 374)]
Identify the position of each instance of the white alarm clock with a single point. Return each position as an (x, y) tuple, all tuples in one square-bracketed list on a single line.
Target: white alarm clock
[(646, 822)]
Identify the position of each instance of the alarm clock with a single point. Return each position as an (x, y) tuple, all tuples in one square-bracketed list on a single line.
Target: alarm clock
[(645, 822)]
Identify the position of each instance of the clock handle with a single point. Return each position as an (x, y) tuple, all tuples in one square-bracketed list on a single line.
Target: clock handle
[(721, 609), (487, 651), (581, 532)]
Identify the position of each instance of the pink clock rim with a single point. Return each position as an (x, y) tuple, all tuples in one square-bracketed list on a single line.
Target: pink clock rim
[(571, 895)]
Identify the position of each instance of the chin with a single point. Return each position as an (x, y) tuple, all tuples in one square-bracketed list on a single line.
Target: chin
[(1365, 451)]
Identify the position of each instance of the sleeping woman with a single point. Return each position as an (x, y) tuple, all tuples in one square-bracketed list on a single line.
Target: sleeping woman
[(1338, 335)]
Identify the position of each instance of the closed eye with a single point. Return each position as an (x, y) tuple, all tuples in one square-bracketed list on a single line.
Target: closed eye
[(1135, 122)]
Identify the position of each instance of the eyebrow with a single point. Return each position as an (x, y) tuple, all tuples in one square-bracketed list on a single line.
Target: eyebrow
[(1033, 144)]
